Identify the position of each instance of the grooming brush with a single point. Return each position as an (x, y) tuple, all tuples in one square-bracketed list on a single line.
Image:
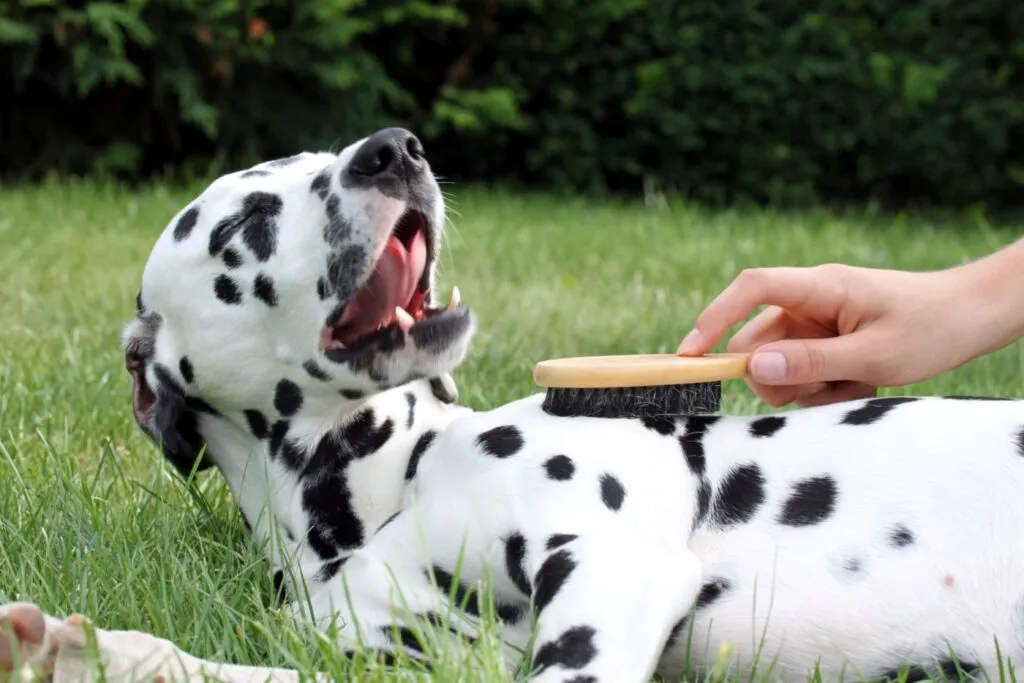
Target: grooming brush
[(653, 385)]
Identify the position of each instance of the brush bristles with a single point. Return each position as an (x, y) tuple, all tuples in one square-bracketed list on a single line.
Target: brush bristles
[(635, 402)]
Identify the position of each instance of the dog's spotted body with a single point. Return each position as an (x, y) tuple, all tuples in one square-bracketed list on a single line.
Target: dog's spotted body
[(852, 540)]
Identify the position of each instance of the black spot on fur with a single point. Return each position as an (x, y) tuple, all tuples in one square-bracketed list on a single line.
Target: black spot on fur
[(550, 578), (315, 371), (277, 434), (469, 599), (227, 290), (360, 438), (574, 649), (257, 219), (703, 502), (183, 228), (410, 398), (322, 291), (327, 497), (287, 397), (406, 636), (257, 424), (320, 184), (515, 562), (462, 593), (692, 441), (138, 302), (508, 613), (900, 536), (173, 424), (292, 456), (582, 679), (232, 259), (663, 424), (263, 289), (558, 540), (612, 492), (422, 444), (709, 593), (344, 268), (739, 495), (260, 231), (330, 569), (560, 468), (767, 426), (255, 173), (352, 394), (185, 367), (874, 409), (1020, 442), (280, 594), (812, 501), (501, 442), (338, 230)]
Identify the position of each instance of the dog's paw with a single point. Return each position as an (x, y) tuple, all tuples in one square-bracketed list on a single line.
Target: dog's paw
[(35, 646)]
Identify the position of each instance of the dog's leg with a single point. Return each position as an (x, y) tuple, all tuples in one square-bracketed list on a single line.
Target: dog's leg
[(34, 645), (605, 607)]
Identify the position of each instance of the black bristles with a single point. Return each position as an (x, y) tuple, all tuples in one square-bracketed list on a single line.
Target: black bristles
[(635, 402)]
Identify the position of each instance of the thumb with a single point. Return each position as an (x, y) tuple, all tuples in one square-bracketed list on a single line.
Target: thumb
[(803, 361)]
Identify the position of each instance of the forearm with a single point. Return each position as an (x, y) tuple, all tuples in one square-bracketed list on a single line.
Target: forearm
[(991, 290)]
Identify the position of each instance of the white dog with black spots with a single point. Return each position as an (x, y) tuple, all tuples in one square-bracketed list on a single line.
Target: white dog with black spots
[(289, 336)]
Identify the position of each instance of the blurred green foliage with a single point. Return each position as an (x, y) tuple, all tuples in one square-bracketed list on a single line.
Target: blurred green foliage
[(722, 100)]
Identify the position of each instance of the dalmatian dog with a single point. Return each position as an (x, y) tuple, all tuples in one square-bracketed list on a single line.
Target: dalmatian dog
[(289, 335)]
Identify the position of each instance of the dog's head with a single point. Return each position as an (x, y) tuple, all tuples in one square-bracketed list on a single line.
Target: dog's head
[(291, 289)]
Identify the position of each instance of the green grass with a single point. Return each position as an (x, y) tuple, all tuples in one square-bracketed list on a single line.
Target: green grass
[(92, 521)]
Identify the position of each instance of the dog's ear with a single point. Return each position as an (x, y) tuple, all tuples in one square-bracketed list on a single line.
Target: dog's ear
[(166, 416)]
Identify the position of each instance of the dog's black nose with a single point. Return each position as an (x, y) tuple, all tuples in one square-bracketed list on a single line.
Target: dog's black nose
[(388, 152)]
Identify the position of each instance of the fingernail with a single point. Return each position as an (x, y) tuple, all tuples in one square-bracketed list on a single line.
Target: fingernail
[(768, 367), (689, 341)]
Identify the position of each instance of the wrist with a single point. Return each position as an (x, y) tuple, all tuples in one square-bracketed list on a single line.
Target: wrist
[(990, 299)]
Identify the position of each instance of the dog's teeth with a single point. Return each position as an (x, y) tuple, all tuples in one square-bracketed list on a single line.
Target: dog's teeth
[(456, 298), (404, 319)]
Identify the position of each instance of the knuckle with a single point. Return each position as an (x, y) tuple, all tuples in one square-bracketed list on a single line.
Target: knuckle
[(830, 270), (737, 344), (815, 362), (750, 277)]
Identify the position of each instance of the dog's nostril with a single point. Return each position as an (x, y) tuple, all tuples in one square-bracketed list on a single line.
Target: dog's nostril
[(376, 160), (414, 147), (385, 157)]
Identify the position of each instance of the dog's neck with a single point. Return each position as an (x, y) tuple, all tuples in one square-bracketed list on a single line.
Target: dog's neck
[(313, 492)]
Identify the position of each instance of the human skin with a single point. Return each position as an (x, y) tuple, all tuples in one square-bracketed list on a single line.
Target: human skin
[(835, 332)]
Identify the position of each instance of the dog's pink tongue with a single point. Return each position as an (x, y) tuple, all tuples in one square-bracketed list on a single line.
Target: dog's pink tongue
[(392, 283)]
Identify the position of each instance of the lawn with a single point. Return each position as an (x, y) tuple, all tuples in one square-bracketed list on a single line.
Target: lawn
[(92, 521)]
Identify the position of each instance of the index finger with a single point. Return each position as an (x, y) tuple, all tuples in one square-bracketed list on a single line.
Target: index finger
[(797, 290)]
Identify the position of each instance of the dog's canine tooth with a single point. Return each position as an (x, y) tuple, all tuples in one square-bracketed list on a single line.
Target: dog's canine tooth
[(456, 298), (404, 319)]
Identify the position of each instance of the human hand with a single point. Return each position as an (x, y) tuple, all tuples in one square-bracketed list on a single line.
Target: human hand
[(834, 332)]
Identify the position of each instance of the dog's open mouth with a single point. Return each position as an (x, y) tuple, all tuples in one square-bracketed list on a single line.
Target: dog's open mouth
[(395, 293)]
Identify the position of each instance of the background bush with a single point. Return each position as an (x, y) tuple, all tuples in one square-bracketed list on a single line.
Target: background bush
[(840, 100)]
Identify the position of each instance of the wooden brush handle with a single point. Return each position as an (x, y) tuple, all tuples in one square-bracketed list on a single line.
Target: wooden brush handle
[(604, 372)]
